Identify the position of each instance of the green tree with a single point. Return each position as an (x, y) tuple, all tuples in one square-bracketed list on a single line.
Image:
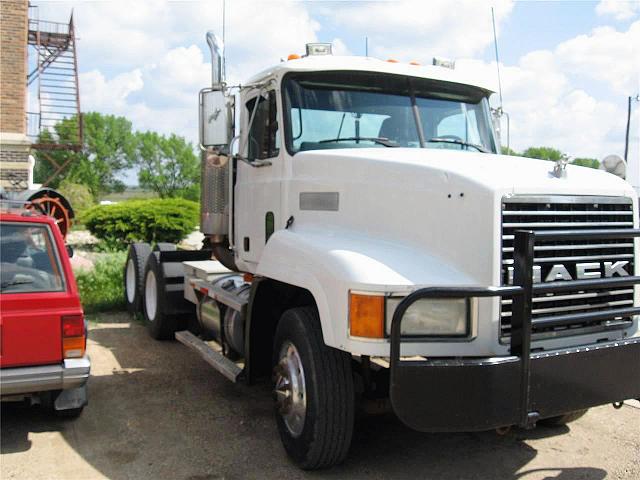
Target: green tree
[(108, 149), (168, 166), (544, 153), (586, 162), (508, 151), (78, 195)]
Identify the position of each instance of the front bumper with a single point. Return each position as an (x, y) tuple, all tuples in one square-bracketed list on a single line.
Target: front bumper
[(441, 395), (456, 395), (71, 373)]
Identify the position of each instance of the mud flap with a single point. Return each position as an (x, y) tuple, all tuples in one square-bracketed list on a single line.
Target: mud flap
[(71, 398)]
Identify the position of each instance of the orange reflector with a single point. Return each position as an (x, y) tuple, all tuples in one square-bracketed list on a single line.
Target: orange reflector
[(414, 63), (366, 315), (392, 60), (73, 347), (248, 277), (293, 56)]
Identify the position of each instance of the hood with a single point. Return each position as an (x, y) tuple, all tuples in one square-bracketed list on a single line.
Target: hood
[(498, 173)]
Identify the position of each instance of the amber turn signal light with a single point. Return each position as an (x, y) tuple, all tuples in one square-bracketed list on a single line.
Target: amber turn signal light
[(366, 315)]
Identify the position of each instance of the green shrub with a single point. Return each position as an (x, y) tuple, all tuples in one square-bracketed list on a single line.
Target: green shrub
[(101, 288), (78, 195), (155, 220)]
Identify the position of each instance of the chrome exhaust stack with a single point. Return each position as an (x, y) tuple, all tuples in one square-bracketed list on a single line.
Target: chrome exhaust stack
[(217, 60), (216, 131)]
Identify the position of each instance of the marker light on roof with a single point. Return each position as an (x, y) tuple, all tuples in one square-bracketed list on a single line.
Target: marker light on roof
[(444, 62), (293, 56), (318, 49), (392, 60)]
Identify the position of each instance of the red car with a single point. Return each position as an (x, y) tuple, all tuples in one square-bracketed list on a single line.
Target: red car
[(43, 333)]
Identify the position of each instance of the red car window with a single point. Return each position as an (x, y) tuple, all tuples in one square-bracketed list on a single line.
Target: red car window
[(29, 260)]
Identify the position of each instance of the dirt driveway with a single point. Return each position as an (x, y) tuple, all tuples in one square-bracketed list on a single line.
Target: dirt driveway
[(158, 412)]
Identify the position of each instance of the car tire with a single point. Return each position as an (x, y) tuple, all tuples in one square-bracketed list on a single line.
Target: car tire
[(321, 379), (563, 419), (159, 316), (134, 275)]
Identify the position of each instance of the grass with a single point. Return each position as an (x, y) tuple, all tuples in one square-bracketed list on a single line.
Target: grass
[(101, 289), (131, 193)]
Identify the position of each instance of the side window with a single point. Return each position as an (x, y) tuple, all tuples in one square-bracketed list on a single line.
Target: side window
[(264, 141), (28, 259)]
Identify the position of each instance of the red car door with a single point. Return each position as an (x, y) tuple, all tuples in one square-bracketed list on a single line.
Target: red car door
[(37, 289)]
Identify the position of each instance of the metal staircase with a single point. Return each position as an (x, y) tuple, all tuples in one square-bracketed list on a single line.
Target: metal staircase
[(55, 68)]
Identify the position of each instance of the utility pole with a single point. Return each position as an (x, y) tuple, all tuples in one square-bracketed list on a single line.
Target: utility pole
[(626, 136)]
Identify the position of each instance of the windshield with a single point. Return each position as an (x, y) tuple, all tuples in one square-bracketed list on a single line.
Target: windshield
[(326, 110)]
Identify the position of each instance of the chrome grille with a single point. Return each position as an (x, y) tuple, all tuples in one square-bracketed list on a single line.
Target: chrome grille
[(568, 213)]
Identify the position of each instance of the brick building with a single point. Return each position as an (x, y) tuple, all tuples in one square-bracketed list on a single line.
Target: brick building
[(37, 60), (14, 143)]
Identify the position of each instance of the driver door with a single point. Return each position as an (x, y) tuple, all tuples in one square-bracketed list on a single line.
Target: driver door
[(257, 190)]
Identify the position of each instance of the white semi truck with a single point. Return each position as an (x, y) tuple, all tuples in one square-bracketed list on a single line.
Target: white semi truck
[(366, 243)]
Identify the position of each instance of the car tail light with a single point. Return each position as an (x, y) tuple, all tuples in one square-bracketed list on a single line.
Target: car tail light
[(74, 338)]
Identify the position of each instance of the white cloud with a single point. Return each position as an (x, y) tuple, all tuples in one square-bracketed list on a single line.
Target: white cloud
[(606, 55), (101, 94), (419, 30), (545, 108), (618, 9), (178, 76)]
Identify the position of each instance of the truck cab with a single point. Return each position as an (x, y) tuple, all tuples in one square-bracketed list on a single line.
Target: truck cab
[(371, 243), (43, 332)]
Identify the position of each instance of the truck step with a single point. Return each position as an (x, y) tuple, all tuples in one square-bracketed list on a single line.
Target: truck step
[(218, 361)]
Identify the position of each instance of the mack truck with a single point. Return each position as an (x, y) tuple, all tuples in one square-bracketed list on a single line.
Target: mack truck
[(368, 247)]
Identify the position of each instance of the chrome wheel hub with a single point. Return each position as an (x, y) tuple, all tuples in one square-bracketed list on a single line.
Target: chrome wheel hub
[(151, 295), (131, 280), (290, 390)]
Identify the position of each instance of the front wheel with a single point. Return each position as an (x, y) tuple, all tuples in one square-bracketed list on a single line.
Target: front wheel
[(314, 393)]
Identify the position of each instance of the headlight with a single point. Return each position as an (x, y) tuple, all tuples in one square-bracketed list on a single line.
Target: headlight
[(433, 317)]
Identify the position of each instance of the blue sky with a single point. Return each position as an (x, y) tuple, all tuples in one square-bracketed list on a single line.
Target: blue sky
[(567, 66)]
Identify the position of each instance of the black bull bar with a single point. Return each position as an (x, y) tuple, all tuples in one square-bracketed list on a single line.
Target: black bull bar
[(474, 394)]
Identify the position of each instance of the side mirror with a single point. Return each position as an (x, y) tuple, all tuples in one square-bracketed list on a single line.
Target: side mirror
[(215, 118), (69, 249)]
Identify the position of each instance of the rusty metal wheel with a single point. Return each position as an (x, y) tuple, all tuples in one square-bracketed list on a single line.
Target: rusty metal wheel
[(53, 207)]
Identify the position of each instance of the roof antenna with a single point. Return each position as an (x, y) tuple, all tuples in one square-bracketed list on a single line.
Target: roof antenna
[(499, 112), (366, 46), (495, 44)]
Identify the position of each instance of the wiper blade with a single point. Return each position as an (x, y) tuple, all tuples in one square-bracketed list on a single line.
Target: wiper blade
[(480, 148), (4, 285), (381, 140)]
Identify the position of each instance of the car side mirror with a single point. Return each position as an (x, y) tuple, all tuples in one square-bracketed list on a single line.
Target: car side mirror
[(69, 249), (215, 118)]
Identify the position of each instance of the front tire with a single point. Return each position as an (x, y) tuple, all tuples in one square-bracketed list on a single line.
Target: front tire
[(314, 392)]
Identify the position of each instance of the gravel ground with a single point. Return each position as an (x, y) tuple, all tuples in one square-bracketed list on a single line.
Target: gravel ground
[(158, 412)]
